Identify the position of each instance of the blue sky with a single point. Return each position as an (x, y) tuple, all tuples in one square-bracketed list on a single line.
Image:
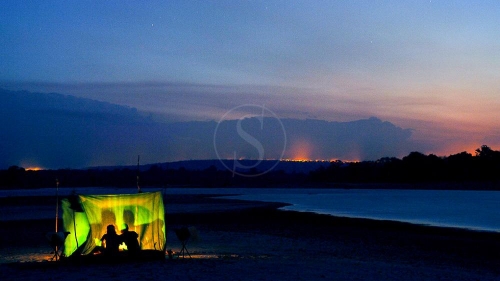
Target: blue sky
[(289, 43), (431, 66)]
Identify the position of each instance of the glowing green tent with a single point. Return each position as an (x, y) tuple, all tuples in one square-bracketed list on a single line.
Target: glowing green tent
[(87, 216)]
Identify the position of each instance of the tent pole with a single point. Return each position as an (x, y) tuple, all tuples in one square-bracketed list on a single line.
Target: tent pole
[(57, 202), (74, 228), (138, 187), (73, 193), (57, 215)]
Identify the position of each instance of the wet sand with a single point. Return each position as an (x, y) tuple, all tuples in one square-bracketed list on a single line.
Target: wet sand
[(255, 241)]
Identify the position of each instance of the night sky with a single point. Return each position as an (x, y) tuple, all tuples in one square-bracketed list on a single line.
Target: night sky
[(431, 67)]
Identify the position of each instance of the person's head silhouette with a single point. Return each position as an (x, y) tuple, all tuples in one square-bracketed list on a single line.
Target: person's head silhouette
[(111, 229)]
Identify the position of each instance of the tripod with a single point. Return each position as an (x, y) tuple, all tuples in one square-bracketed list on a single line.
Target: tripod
[(56, 241), (183, 235), (184, 250)]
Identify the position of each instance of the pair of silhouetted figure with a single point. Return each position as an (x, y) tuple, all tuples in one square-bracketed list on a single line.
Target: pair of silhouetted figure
[(112, 240)]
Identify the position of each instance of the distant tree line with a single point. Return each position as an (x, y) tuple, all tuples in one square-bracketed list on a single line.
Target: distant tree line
[(416, 167), (155, 176)]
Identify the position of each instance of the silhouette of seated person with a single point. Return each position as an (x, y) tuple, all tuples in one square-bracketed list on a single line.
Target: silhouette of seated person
[(130, 240), (111, 240)]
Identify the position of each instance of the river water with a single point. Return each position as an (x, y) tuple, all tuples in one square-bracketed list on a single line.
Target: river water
[(478, 210)]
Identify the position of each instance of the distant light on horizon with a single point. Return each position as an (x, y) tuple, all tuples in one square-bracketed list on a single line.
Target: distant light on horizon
[(319, 160), (301, 150), (34, 169)]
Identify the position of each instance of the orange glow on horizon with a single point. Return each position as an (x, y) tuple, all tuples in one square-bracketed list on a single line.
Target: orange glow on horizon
[(459, 148), (455, 149), (34, 168), (301, 150), (307, 160)]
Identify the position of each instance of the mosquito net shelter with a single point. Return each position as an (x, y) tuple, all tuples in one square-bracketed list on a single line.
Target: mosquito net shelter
[(86, 217)]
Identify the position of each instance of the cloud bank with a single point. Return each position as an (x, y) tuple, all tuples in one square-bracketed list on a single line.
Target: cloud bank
[(61, 131)]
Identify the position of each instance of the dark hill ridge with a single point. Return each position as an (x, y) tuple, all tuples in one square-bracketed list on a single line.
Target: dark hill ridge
[(243, 166)]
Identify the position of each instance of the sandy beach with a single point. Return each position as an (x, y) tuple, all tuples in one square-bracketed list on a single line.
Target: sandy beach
[(240, 240)]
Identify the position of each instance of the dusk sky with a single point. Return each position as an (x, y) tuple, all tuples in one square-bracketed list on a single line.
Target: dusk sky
[(429, 66)]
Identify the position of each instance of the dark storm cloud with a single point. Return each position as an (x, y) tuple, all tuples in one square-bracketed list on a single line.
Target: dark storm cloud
[(54, 131), (58, 131)]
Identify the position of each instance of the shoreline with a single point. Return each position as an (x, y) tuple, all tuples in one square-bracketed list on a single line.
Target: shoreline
[(418, 224), (255, 240), (208, 203), (445, 185)]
